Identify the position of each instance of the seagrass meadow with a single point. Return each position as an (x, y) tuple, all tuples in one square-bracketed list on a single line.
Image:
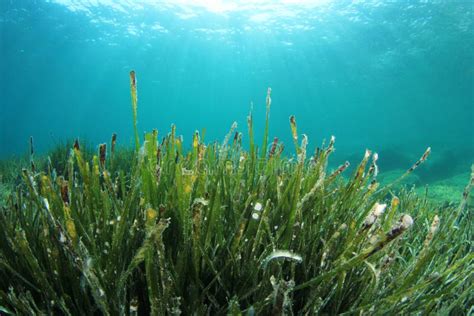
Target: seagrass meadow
[(226, 228)]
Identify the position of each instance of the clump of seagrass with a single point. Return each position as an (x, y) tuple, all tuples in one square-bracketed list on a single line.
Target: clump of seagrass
[(217, 229)]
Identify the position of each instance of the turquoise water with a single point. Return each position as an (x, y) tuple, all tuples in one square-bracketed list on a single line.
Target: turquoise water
[(394, 77)]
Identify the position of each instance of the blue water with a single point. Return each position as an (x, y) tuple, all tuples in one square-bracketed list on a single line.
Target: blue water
[(394, 77)]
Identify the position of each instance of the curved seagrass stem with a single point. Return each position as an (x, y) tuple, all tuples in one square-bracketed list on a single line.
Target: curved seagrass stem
[(133, 92)]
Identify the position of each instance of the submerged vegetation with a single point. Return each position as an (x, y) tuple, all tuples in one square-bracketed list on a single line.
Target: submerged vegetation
[(218, 229)]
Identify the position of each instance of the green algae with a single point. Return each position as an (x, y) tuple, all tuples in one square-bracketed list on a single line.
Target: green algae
[(447, 190), (165, 230)]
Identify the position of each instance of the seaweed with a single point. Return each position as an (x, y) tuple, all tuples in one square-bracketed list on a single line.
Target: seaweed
[(133, 93), (217, 229)]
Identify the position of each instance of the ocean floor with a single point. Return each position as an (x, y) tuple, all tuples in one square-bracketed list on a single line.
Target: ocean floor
[(448, 190)]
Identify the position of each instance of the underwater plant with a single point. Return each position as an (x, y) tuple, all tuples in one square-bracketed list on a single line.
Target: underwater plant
[(217, 229)]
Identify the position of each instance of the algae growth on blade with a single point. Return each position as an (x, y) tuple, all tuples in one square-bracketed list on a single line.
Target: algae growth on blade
[(227, 228)]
